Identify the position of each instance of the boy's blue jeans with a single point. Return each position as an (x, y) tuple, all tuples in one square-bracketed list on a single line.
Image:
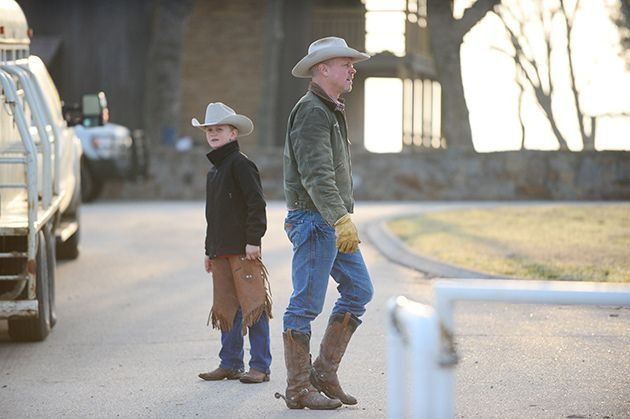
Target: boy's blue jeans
[(315, 259), (232, 353)]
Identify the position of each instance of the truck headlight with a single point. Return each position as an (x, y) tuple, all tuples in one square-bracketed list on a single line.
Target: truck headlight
[(104, 145)]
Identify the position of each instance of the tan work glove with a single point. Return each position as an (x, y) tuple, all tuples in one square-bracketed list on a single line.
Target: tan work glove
[(347, 235)]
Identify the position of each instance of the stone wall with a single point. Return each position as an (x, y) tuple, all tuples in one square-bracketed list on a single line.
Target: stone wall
[(222, 60), (443, 175)]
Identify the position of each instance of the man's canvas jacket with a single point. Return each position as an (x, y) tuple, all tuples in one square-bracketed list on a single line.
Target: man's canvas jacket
[(317, 168)]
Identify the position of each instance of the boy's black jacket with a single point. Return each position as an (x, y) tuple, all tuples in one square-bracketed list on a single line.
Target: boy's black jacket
[(235, 204)]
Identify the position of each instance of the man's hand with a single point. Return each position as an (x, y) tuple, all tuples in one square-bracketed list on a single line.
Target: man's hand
[(207, 263), (252, 252), (347, 235)]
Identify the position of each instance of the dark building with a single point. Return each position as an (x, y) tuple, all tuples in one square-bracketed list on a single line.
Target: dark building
[(160, 62), (90, 46)]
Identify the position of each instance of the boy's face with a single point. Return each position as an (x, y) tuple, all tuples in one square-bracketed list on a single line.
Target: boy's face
[(219, 135)]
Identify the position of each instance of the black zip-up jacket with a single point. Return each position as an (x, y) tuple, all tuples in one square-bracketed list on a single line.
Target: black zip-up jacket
[(235, 204)]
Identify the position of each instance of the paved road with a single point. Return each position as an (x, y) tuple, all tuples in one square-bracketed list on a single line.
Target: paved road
[(131, 336)]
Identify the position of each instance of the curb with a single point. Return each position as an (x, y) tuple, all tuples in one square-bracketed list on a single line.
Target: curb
[(398, 252)]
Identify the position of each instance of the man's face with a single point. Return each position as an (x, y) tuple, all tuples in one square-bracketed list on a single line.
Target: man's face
[(340, 74), (219, 135)]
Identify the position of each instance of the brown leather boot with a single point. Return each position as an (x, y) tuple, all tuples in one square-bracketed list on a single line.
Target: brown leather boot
[(221, 374), (253, 376), (324, 372), (300, 393)]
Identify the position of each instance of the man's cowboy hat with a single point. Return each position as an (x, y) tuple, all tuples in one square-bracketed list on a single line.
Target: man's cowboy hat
[(220, 114), (325, 49)]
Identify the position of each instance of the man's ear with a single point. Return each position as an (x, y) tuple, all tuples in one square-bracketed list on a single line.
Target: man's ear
[(323, 68), (233, 133)]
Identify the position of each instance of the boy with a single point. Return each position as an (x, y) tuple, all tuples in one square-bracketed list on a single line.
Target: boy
[(236, 221)]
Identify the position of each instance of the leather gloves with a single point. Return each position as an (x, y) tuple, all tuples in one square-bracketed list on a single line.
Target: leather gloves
[(347, 235)]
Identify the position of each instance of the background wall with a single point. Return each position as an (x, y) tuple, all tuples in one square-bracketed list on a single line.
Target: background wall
[(223, 60), (444, 175)]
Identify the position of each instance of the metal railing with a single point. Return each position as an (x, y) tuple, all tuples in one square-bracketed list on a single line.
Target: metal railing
[(21, 92), (421, 338)]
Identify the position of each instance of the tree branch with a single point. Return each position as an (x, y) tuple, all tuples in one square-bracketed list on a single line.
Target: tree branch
[(522, 62), (588, 140), (473, 15)]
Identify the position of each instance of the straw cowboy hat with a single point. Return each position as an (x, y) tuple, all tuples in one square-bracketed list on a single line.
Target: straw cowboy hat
[(220, 114), (325, 49)]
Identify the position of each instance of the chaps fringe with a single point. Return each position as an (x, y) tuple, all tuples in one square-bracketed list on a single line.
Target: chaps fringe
[(220, 322)]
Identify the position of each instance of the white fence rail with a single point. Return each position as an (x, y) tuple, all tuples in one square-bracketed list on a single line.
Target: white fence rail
[(422, 357)]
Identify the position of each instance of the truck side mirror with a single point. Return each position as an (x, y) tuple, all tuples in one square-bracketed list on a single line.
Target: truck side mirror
[(94, 109)]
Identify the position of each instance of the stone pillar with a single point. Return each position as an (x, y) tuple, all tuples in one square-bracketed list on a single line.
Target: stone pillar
[(288, 35), (162, 97)]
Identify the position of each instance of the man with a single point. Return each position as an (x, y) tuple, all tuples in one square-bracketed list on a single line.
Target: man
[(318, 190)]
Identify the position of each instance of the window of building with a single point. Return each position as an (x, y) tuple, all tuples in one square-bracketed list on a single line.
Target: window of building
[(399, 113)]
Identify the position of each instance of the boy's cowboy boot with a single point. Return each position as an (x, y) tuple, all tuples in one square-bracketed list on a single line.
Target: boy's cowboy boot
[(221, 374), (300, 393), (324, 372)]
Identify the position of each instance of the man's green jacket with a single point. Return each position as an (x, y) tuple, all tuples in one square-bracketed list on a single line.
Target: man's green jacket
[(317, 168)]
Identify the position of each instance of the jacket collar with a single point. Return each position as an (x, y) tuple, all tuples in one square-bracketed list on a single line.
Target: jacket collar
[(217, 156), (333, 105)]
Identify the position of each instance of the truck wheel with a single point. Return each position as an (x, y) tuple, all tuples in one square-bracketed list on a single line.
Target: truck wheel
[(69, 250), (91, 187), (31, 329)]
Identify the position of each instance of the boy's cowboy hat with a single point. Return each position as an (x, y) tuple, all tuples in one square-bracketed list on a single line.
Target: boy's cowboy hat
[(325, 49), (220, 114)]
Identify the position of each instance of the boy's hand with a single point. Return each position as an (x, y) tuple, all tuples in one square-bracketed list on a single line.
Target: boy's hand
[(207, 262), (252, 252)]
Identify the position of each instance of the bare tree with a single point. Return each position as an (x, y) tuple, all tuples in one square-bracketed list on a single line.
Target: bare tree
[(537, 67), (447, 36), (620, 15)]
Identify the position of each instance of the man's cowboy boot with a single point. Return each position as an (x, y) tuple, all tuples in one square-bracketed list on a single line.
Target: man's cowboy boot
[(324, 372), (300, 393), (221, 374)]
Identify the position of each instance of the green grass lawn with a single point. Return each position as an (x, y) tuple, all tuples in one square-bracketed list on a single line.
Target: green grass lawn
[(560, 242)]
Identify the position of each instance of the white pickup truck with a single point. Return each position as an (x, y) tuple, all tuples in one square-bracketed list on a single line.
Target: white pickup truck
[(40, 190)]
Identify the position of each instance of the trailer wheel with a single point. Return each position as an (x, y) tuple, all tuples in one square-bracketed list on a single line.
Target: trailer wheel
[(31, 329)]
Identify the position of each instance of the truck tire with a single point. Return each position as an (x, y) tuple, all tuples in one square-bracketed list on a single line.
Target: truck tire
[(91, 187), (32, 329), (69, 249)]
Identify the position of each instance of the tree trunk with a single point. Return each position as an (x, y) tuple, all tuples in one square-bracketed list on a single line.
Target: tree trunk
[(455, 117), (447, 35)]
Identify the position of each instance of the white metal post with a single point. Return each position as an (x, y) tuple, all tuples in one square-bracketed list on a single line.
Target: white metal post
[(396, 374), (413, 362)]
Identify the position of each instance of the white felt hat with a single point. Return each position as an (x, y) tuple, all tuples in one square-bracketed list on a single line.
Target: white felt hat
[(221, 114), (325, 49)]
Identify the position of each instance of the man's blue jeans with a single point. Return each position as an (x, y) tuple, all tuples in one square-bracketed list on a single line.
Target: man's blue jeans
[(315, 259), (231, 353)]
